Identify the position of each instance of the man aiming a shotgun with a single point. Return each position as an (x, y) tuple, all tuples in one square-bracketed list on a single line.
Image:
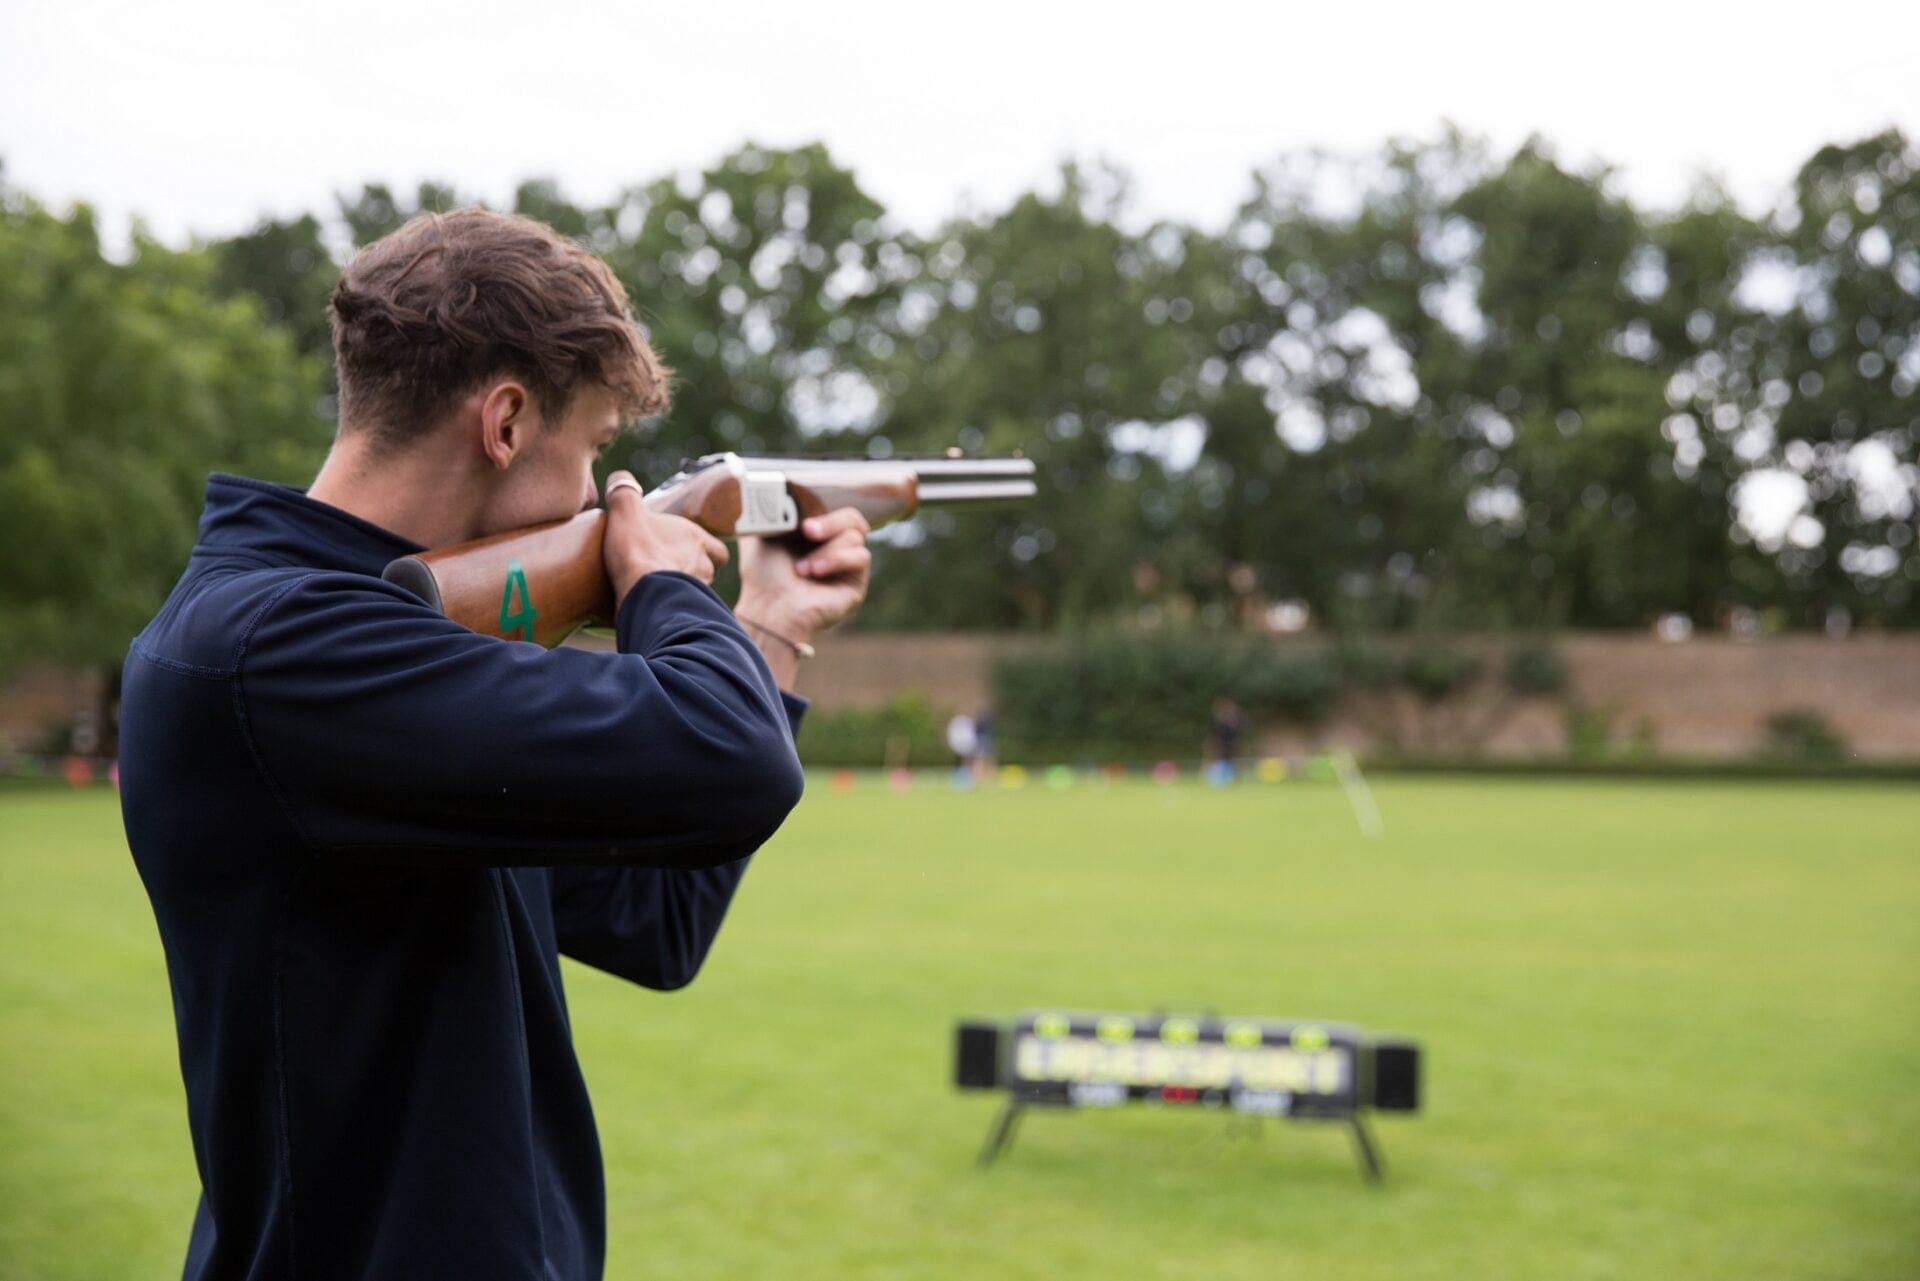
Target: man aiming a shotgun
[(369, 833)]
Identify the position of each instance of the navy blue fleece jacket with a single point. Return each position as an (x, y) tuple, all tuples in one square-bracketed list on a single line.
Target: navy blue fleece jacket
[(369, 835)]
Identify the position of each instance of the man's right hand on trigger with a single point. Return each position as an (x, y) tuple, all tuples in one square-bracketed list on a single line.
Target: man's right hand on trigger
[(640, 541)]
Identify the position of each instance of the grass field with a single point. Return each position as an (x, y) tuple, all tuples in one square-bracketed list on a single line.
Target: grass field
[(1671, 1031)]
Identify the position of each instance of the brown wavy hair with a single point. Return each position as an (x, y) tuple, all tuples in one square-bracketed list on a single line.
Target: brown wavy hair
[(427, 314)]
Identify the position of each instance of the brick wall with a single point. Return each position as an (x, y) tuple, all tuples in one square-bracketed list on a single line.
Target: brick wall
[(44, 697), (1709, 696), (1712, 696)]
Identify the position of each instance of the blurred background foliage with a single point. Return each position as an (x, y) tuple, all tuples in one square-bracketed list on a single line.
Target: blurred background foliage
[(123, 383), (1430, 388)]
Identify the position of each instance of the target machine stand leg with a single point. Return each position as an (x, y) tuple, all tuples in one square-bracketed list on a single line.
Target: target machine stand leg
[(1002, 1132), (1370, 1164)]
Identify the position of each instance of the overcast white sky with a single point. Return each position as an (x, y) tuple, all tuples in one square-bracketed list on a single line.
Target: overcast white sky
[(202, 114)]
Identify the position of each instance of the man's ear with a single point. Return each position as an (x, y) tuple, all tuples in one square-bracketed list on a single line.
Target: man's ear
[(506, 421)]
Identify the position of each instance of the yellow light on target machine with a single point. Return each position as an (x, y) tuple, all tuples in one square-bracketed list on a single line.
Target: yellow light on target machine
[(1258, 1067)]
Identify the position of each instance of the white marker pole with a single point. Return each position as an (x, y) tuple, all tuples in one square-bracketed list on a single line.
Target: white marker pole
[(1359, 795)]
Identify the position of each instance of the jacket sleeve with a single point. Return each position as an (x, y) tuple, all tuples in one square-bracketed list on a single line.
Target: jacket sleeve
[(392, 734), (651, 926)]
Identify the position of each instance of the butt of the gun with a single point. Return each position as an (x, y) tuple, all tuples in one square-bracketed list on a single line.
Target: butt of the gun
[(412, 574)]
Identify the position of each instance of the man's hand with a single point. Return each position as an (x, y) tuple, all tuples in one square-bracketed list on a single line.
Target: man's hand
[(801, 586), (640, 540)]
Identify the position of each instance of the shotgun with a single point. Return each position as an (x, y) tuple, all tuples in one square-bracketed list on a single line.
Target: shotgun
[(544, 583)]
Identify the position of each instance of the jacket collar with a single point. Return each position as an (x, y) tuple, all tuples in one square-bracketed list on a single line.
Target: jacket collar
[(280, 524)]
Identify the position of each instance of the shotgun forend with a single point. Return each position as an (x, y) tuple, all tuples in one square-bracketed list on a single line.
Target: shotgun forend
[(543, 583)]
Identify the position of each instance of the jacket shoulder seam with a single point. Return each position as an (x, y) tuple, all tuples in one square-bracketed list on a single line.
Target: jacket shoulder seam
[(140, 649), (241, 715)]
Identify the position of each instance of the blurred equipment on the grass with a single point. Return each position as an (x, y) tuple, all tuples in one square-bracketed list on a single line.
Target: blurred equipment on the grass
[(1304, 1071)]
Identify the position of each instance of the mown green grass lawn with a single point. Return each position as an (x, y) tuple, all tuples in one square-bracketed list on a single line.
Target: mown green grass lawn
[(1672, 1030)]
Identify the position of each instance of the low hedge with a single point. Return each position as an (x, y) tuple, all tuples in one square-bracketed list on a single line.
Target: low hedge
[(1142, 697), (904, 732)]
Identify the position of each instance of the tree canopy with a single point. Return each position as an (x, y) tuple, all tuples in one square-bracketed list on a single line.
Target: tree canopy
[(125, 383), (1426, 387)]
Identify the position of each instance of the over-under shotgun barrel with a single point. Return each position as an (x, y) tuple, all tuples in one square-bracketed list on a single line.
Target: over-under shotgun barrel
[(543, 583)]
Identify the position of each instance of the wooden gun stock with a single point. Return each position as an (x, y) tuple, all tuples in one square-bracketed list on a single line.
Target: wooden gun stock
[(544, 583), (491, 585)]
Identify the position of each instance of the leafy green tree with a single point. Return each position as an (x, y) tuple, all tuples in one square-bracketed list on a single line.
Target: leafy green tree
[(125, 384), (1686, 280), (287, 266), (1824, 390), (375, 210), (1350, 415), (759, 284), (1051, 330), (1588, 469), (1541, 461), (1478, 391)]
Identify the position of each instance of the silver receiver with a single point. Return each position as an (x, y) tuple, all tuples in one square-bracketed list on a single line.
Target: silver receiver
[(767, 507)]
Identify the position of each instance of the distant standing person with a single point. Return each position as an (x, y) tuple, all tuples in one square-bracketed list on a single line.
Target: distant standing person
[(983, 762), (1223, 739), (961, 737)]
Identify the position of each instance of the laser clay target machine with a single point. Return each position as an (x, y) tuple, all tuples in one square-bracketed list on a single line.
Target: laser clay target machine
[(1254, 1067)]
